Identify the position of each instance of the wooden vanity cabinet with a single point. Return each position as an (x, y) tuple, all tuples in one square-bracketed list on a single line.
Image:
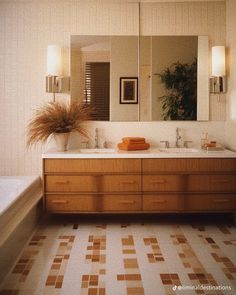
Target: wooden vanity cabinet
[(189, 185), (92, 185), (140, 185)]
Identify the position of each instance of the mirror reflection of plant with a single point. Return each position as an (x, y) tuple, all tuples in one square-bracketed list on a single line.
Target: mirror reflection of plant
[(180, 101), (56, 117)]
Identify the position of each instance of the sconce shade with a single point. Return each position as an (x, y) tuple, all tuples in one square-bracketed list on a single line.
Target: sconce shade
[(218, 61), (54, 60)]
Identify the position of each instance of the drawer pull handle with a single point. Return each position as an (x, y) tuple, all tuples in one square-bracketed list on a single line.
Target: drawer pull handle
[(128, 182), (161, 181), (159, 202), (62, 182), (60, 202), (127, 202), (222, 201)]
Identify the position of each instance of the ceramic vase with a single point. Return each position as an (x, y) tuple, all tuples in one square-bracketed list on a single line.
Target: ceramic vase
[(61, 140)]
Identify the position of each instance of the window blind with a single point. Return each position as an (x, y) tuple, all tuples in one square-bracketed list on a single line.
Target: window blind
[(97, 89)]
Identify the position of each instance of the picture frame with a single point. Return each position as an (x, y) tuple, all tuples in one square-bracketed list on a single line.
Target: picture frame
[(128, 90)]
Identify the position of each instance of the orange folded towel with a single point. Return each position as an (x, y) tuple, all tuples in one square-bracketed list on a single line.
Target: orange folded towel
[(133, 139), (133, 147), (138, 144), (131, 142)]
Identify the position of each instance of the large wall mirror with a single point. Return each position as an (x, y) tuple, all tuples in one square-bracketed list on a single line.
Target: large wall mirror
[(146, 78), (104, 72), (174, 78)]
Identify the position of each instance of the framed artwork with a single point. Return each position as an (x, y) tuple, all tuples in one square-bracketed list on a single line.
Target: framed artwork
[(128, 90)]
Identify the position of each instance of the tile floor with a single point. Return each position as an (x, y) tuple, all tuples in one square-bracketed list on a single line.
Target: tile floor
[(154, 255)]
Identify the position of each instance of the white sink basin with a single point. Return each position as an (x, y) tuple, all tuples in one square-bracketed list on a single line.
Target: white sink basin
[(97, 151), (179, 150)]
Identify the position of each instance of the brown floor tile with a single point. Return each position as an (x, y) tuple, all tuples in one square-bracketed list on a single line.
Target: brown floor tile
[(92, 291), (135, 291)]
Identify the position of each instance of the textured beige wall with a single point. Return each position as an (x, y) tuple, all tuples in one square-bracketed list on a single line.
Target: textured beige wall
[(27, 27), (231, 71)]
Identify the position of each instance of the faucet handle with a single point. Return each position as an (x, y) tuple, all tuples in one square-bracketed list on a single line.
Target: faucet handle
[(186, 142), (166, 142)]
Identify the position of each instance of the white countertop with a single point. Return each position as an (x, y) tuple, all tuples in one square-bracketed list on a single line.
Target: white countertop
[(150, 153)]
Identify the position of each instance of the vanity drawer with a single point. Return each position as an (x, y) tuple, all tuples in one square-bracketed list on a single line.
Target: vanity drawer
[(162, 183), (71, 183), (213, 202), (92, 203), (72, 203), (122, 203), (189, 165), (215, 183), (119, 183), (92, 165), (162, 202), (94, 183)]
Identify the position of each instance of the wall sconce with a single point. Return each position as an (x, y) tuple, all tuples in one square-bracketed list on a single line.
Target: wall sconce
[(55, 82), (218, 79)]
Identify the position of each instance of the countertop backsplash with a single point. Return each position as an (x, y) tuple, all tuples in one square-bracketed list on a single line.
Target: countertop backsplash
[(154, 132)]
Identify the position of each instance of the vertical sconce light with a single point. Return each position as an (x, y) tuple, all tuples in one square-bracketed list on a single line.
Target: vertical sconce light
[(55, 82), (218, 79), (53, 69)]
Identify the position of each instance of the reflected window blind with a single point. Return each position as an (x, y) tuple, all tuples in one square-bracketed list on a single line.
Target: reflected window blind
[(97, 89)]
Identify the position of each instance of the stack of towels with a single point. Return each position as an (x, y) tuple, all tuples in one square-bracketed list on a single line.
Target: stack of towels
[(133, 144)]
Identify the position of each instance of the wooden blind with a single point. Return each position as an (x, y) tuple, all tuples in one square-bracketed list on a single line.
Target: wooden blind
[(97, 89)]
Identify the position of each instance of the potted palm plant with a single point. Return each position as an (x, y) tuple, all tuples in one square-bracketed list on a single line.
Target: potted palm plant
[(180, 99), (58, 120)]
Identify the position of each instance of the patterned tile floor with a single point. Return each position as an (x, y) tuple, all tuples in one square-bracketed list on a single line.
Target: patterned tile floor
[(118, 255)]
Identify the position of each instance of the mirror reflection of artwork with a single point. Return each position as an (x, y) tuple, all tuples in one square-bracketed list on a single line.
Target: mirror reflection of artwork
[(97, 63), (128, 90)]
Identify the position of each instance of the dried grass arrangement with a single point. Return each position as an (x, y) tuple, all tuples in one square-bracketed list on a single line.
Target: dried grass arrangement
[(55, 118)]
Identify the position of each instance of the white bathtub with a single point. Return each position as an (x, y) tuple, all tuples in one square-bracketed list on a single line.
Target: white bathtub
[(12, 188), (17, 196), (20, 210)]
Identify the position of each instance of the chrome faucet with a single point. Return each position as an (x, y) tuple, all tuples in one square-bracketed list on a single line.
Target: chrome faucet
[(178, 137), (96, 139)]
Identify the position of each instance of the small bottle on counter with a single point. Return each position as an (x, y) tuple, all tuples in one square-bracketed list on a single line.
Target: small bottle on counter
[(204, 140), (212, 144)]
